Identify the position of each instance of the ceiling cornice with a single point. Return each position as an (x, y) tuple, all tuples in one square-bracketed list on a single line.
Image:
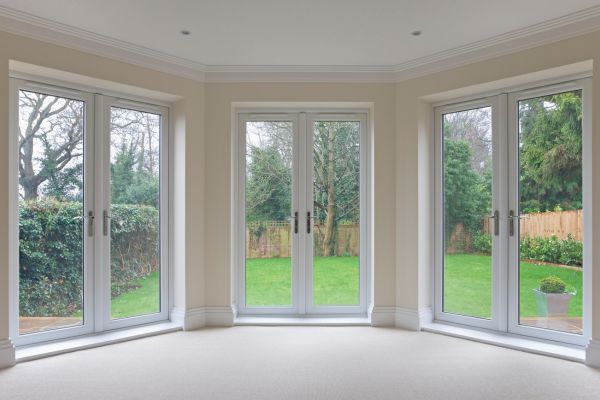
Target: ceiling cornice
[(28, 25)]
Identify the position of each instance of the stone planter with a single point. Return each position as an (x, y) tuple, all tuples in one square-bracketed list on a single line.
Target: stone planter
[(552, 304)]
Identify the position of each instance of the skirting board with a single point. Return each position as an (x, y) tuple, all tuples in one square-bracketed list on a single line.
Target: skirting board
[(195, 318), (406, 318), (7, 353), (592, 353)]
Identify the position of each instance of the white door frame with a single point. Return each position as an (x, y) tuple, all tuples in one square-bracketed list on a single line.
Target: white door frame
[(498, 309), (302, 181), (96, 305), (103, 281), (513, 270), (88, 205)]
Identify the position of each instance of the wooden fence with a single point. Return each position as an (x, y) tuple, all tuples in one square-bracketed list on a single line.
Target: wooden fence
[(548, 224), (272, 239)]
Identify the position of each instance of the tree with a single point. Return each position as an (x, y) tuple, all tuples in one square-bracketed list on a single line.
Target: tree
[(467, 193), (551, 152), (336, 176), (50, 144)]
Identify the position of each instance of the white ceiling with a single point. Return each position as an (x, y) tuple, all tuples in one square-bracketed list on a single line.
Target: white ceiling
[(300, 33)]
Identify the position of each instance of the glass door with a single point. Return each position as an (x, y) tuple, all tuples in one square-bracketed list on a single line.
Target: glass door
[(133, 218), (268, 280), (335, 201), (54, 211), (302, 193), (546, 229), (468, 259)]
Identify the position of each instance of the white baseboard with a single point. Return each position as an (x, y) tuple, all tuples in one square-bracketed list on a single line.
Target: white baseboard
[(196, 318), (7, 353), (407, 318), (592, 353), (383, 316), (220, 316)]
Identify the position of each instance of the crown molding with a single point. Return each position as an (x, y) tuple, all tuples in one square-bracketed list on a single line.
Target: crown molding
[(568, 26), (45, 30), (562, 28)]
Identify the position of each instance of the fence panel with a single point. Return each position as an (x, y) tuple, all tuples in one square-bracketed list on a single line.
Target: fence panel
[(548, 224)]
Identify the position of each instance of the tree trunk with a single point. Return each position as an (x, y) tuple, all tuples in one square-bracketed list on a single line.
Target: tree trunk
[(328, 239)]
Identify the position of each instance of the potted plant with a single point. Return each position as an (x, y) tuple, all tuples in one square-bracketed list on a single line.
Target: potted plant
[(552, 298)]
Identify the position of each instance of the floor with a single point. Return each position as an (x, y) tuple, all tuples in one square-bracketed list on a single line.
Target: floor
[(300, 363)]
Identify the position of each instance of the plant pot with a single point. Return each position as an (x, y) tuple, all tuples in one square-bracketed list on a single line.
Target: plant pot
[(552, 304)]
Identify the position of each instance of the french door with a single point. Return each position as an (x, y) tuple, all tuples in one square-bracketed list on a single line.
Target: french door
[(302, 214), (89, 206), (510, 199)]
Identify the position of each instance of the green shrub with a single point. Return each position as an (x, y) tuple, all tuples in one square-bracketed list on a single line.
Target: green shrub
[(482, 243), (552, 250), (50, 253), (552, 284)]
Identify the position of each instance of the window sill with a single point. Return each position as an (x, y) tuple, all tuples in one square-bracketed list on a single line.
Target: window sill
[(41, 350), (511, 341), (301, 321)]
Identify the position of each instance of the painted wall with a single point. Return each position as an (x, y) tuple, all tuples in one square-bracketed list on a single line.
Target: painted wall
[(219, 99), (188, 122), (413, 156), (202, 165)]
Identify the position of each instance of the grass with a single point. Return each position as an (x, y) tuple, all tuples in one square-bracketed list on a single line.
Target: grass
[(269, 281), (143, 300), (468, 285)]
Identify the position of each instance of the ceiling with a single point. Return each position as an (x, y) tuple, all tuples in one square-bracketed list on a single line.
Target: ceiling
[(293, 32)]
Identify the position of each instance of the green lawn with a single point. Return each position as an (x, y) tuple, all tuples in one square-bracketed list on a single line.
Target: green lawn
[(268, 281), (468, 289), (143, 300)]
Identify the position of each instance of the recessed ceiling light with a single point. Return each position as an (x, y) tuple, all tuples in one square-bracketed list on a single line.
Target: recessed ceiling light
[(185, 32), (416, 33)]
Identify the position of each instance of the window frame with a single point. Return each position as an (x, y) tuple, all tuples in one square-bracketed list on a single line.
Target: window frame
[(302, 173), (96, 311)]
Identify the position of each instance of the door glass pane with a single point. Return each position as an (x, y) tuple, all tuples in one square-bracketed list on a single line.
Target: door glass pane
[(336, 208), (467, 190), (551, 223), (51, 210), (134, 212), (269, 230)]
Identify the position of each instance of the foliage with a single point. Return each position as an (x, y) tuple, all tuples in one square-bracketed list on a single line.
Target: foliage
[(482, 243), (50, 253), (552, 284), (467, 193), (551, 152), (553, 250)]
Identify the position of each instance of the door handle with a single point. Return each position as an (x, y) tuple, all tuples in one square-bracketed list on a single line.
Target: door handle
[(496, 218), (295, 222), (308, 221), (90, 219), (105, 220), (511, 221)]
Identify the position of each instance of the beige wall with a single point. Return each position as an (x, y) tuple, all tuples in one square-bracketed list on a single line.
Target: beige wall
[(413, 157), (202, 164), (219, 99), (187, 116)]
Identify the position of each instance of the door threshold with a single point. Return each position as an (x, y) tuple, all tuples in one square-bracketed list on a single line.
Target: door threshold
[(249, 320)]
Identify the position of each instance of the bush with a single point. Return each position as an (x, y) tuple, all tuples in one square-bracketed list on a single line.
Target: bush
[(50, 253), (482, 243), (552, 284), (552, 250)]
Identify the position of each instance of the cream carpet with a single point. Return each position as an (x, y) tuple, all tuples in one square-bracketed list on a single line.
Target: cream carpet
[(300, 363)]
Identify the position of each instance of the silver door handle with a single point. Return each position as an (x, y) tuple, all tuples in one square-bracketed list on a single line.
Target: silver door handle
[(105, 220), (90, 220), (511, 221), (496, 217)]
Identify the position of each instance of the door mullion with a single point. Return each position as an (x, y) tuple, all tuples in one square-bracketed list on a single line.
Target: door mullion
[(301, 173)]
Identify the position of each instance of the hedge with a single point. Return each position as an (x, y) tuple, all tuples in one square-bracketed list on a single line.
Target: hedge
[(50, 253), (551, 250)]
